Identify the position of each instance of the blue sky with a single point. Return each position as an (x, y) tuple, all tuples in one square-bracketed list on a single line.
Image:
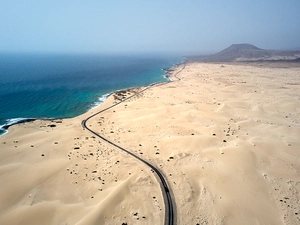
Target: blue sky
[(119, 26)]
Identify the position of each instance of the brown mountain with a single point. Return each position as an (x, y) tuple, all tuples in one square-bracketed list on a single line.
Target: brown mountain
[(247, 53)]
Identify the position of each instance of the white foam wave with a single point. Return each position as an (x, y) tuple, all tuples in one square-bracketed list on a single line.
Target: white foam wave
[(10, 122), (4, 132), (101, 99)]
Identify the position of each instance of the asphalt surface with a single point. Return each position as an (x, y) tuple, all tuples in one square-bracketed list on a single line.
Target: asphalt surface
[(170, 217)]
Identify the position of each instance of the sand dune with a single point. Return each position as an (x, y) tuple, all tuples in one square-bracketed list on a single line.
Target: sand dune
[(226, 137)]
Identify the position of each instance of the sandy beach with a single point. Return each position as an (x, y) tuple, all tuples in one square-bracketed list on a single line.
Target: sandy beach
[(225, 136)]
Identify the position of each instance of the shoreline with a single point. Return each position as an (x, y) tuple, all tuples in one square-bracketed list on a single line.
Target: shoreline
[(226, 137), (14, 121)]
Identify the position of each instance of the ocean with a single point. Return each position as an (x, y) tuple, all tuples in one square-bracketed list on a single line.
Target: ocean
[(47, 86)]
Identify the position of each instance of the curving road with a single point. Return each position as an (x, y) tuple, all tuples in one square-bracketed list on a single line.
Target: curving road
[(170, 218)]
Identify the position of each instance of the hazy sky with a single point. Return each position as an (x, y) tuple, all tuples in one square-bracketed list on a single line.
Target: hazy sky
[(185, 26)]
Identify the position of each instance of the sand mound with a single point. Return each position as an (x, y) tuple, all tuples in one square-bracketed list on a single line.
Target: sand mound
[(226, 137)]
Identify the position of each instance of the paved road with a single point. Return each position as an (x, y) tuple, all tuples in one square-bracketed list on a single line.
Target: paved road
[(170, 217)]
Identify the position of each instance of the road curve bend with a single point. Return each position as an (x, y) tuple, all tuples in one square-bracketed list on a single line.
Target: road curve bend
[(170, 217)]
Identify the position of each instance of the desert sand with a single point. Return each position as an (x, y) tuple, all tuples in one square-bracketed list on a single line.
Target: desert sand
[(225, 136)]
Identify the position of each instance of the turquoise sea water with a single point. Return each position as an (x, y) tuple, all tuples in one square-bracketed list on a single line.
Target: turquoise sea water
[(60, 86)]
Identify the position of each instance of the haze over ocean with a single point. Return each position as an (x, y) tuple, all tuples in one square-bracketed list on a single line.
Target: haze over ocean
[(60, 86)]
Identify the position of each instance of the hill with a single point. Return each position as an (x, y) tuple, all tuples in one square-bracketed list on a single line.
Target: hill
[(246, 53)]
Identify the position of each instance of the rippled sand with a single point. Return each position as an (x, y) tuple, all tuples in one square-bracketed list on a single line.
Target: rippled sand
[(226, 137)]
